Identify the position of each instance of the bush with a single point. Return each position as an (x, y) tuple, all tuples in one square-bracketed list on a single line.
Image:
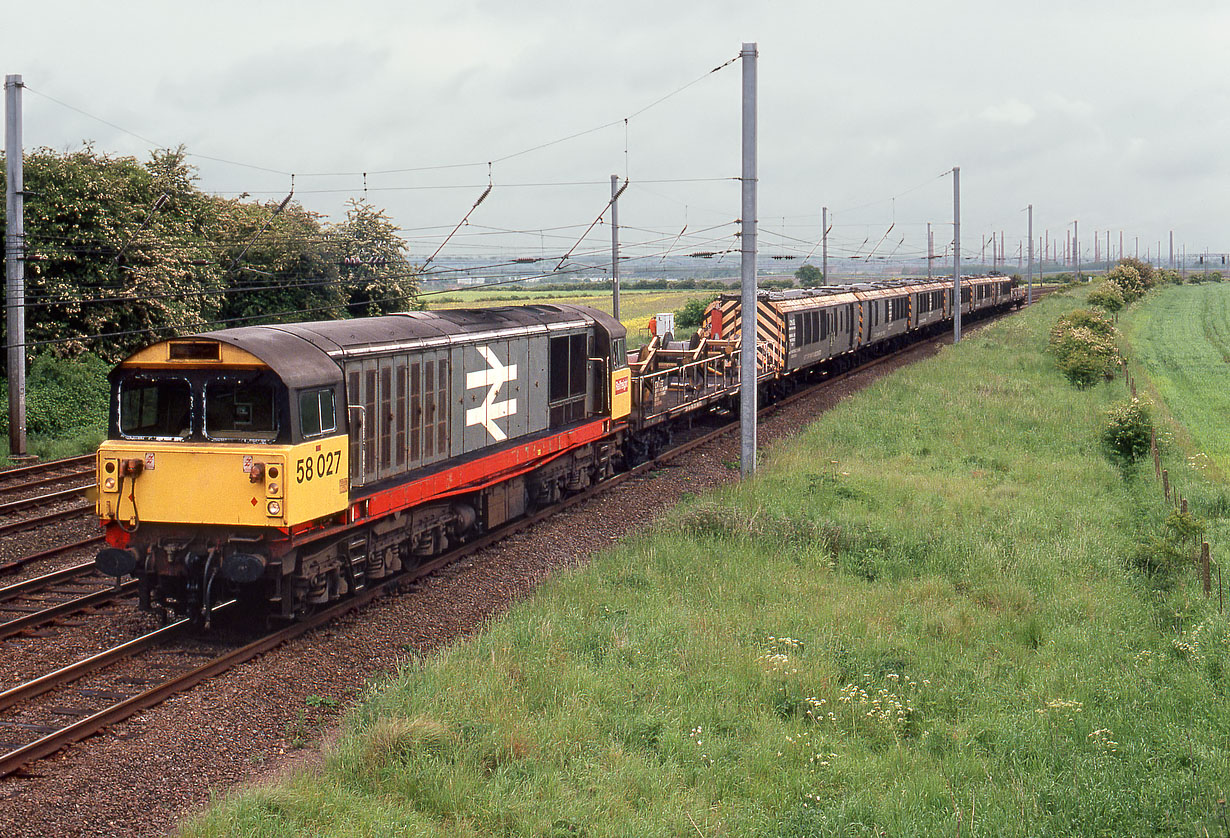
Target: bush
[(1085, 364), (1083, 343), (1128, 431), (1160, 558), (1107, 297), (1128, 280), (691, 315), (1083, 318), (1144, 270), (64, 396)]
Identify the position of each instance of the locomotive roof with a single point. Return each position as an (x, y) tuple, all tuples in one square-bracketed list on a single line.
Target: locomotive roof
[(305, 354)]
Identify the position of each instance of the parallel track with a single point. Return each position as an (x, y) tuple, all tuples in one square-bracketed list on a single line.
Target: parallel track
[(44, 599), (76, 470)]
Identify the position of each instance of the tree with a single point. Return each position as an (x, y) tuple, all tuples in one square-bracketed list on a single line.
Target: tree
[(374, 271), (809, 276), (692, 313), (279, 266), (109, 255), (122, 253)]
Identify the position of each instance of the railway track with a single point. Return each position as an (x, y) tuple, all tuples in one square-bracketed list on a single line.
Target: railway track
[(44, 715), (45, 493), (44, 599), (50, 553), (78, 472)]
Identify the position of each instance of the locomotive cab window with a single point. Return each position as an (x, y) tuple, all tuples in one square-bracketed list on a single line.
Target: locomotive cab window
[(155, 408), (619, 353), (241, 408), (317, 412)]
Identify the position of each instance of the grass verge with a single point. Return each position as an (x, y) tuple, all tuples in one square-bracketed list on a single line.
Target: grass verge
[(922, 617)]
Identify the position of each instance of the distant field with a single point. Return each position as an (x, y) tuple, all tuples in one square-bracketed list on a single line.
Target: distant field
[(635, 307), (1182, 337)]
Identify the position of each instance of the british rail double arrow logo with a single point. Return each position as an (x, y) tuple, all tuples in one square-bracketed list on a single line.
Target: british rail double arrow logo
[(494, 377)]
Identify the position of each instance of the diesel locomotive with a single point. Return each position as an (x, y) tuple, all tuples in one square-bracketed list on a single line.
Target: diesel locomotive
[(288, 465)]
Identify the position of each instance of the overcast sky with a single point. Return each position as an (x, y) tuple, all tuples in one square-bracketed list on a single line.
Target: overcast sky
[(1110, 113)]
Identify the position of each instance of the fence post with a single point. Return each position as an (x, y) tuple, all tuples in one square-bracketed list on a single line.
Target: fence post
[(1166, 484), (1204, 569)]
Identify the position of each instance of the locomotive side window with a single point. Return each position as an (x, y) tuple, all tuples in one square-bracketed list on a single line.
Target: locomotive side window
[(240, 409), (619, 353), (155, 408), (317, 412)]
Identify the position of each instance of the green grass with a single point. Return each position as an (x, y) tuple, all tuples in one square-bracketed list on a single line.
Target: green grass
[(920, 618), (1180, 336)]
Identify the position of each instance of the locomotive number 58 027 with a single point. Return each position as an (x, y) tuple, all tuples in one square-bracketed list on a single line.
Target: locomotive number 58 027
[(322, 465)]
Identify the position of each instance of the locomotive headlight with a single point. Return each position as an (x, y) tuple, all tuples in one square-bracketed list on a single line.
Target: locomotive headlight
[(109, 484), (274, 507), (273, 488)]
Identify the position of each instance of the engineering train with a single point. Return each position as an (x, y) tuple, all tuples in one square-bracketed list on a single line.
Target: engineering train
[(286, 466)]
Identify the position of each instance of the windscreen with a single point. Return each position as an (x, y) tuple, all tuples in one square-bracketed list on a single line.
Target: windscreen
[(241, 408), (155, 408)]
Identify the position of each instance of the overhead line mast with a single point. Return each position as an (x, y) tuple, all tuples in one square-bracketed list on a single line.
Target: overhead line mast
[(15, 264), (747, 246)]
